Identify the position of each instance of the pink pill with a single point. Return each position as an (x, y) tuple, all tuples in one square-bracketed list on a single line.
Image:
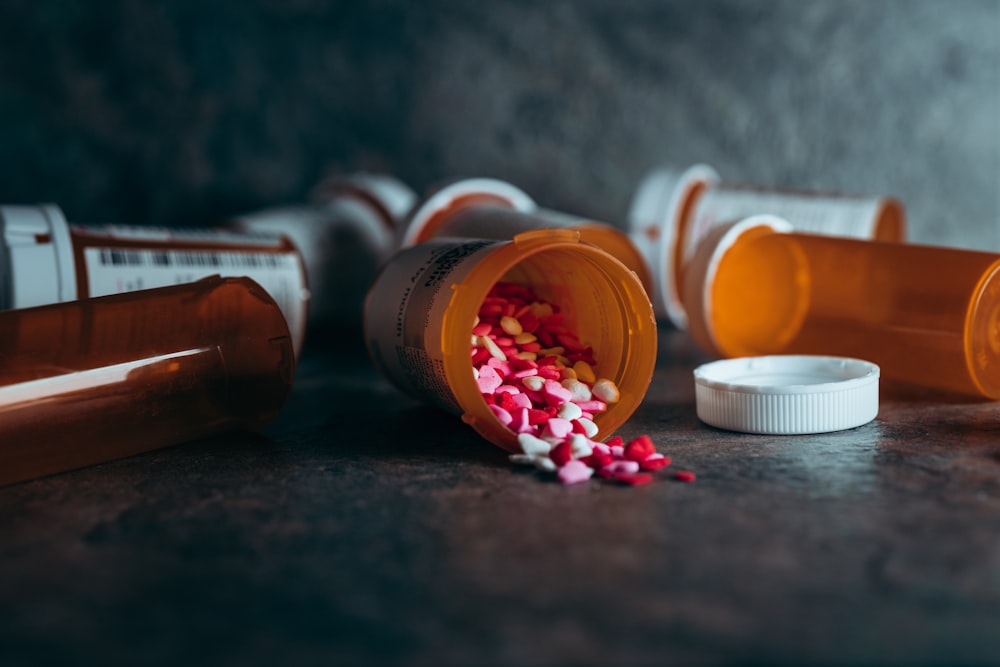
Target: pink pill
[(522, 400), (502, 367), (574, 471), (519, 421), (508, 388), (622, 466), (488, 380), (555, 393), (502, 415), (593, 406), (558, 428)]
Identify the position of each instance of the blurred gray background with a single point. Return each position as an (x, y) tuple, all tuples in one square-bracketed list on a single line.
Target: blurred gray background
[(187, 112)]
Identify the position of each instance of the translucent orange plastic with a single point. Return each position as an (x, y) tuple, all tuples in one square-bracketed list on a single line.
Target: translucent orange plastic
[(422, 307), (486, 220), (82, 382), (926, 315)]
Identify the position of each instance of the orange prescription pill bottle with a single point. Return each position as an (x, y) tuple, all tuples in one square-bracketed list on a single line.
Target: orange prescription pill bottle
[(926, 315), (673, 210), (87, 381), (421, 309), (344, 235), (46, 260), (487, 208)]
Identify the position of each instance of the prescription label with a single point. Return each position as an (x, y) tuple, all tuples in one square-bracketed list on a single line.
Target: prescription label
[(113, 270), (405, 314), (835, 215)]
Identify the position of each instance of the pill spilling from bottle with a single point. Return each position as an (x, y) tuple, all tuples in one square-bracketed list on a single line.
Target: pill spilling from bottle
[(539, 381)]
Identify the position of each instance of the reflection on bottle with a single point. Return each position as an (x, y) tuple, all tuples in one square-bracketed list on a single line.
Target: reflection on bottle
[(88, 381)]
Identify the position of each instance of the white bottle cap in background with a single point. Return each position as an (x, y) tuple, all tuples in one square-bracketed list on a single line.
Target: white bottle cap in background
[(343, 238), (787, 394), (36, 261), (654, 225), (499, 192), (388, 193)]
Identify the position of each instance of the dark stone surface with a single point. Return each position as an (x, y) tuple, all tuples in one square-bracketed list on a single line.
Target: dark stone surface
[(188, 111), (362, 528)]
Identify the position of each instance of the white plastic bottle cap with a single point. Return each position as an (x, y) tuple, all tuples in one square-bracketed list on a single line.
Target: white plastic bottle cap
[(787, 394), (36, 257), (391, 196), (654, 227), (699, 279), (504, 193)]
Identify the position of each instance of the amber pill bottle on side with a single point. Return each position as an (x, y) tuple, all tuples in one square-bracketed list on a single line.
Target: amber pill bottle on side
[(88, 381), (926, 315), (45, 259), (422, 307), (673, 210), (487, 208)]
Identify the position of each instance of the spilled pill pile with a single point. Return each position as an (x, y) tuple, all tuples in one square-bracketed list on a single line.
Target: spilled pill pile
[(539, 381)]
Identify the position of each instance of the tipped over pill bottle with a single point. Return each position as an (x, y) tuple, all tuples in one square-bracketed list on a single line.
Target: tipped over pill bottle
[(926, 315), (487, 208), (672, 211), (88, 381), (344, 235), (43, 259), (423, 305)]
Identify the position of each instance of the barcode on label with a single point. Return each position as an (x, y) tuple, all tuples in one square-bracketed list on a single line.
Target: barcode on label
[(192, 259)]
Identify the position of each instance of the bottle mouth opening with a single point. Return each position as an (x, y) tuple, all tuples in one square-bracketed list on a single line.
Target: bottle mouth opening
[(982, 334), (605, 306)]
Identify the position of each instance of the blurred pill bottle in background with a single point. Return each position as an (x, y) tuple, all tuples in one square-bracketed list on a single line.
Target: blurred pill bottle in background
[(344, 234), (673, 210), (926, 315), (487, 208), (44, 259), (422, 307), (96, 379)]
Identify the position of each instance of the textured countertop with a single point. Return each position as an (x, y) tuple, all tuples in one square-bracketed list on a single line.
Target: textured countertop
[(362, 528)]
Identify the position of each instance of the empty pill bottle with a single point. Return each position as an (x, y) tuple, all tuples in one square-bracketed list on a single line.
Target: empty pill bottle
[(91, 380), (926, 315), (344, 234), (422, 307), (673, 210), (488, 208), (44, 259)]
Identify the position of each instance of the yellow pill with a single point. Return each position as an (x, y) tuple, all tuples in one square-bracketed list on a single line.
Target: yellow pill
[(584, 371), (511, 326), (606, 390)]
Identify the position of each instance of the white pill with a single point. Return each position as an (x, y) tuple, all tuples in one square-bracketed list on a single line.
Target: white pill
[(531, 445), (580, 446), (579, 390), (606, 390), (570, 411), (493, 348), (533, 382), (545, 463), (589, 427)]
